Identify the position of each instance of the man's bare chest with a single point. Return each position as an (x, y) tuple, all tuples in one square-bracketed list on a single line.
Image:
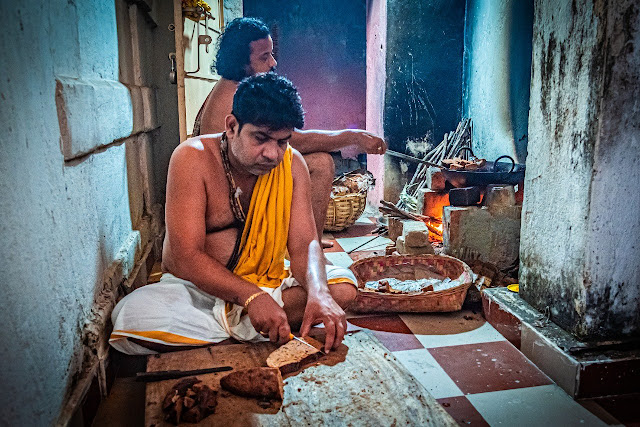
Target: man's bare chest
[(228, 200)]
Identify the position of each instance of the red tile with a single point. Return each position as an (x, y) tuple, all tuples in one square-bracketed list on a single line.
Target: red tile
[(623, 408), (385, 323), (390, 330), (335, 248), (491, 366), (355, 230), (462, 411)]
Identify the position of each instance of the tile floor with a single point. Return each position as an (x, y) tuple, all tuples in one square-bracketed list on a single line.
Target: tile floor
[(469, 367), (472, 370)]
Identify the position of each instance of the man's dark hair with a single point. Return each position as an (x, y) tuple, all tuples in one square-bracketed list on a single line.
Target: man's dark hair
[(233, 47), (268, 100)]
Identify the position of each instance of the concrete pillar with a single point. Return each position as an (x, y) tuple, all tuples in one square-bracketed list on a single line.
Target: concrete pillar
[(376, 77), (580, 250)]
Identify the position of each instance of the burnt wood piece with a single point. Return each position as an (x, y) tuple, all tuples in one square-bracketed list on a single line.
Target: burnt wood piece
[(189, 401), (467, 196)]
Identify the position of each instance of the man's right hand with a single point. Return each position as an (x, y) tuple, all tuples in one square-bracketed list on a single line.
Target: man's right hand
[(368, 142), (268, 318)]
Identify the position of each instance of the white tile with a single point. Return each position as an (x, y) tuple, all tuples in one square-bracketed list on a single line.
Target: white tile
[(339, 258), (485, 333), (546, 405), (363, 220), (368, 243), (428, 372)]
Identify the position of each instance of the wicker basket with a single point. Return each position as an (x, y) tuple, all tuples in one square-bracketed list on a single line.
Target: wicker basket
[(344, 209), (409, 267)]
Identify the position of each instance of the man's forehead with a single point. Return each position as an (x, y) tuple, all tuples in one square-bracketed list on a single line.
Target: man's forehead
[(261, 45), (272, 133)]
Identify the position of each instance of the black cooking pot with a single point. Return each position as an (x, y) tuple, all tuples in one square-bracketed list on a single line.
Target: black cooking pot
[(490, 173)]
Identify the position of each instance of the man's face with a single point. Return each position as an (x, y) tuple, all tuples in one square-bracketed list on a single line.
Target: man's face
[(261, 59), (258, 149)]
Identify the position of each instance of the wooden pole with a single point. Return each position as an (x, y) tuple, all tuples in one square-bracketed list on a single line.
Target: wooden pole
[(178, 21)]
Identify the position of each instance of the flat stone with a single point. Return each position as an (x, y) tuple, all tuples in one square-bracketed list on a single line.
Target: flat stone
[(415, 234), (91, 114), (475, 232), (403, 249), (466, 196), (396, 226), (499, 195), (435, 179)]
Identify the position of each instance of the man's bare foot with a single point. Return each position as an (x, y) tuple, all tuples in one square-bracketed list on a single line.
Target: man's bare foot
[(326, 244)]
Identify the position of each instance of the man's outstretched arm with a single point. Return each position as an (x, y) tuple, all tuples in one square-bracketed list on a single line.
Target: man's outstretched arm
[(307, 262), (313, 141)]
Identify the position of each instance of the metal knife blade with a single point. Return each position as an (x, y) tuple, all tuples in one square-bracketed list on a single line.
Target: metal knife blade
[(305, 343), (172, 374)]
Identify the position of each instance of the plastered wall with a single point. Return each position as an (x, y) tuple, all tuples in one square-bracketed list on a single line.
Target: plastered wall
[(65, 213), (580, 258), (497, 75)]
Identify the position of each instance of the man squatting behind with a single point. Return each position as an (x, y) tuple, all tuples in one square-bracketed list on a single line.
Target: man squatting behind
[(245, 48), (236, 202)]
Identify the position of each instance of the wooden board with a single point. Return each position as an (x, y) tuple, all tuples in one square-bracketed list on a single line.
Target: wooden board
[(361, 383)]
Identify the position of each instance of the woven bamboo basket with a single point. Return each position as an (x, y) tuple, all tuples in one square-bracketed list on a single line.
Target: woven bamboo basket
[(344, 209), (408, 267)]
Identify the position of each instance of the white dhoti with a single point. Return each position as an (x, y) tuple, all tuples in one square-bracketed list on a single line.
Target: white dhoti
[(175, 312)]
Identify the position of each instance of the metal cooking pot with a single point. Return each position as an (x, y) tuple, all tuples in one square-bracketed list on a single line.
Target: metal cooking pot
[(491, 173)]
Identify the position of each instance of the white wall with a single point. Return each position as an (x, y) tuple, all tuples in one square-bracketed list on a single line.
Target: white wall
[(63, 223), (579, 252), (497, 75)]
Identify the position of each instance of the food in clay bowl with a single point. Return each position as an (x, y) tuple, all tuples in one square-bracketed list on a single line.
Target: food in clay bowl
[(420, 283)]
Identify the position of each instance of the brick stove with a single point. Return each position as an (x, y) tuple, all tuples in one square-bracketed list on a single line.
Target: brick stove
[(478, 223)]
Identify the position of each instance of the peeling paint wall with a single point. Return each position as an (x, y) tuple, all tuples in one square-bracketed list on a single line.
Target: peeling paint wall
[(580, 257), (423, 88), (321, 49), (65, 211), (498, 39)]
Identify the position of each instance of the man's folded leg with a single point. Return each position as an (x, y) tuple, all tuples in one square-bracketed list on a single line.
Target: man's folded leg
[(342, 286), (172, 312)]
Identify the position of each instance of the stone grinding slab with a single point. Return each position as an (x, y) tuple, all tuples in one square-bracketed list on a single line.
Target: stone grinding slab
[(360, 383)]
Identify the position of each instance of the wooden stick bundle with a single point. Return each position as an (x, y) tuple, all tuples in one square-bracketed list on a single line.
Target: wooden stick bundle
[(451, 143)]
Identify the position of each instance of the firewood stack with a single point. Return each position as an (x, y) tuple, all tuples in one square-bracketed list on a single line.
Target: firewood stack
[(425, 194)]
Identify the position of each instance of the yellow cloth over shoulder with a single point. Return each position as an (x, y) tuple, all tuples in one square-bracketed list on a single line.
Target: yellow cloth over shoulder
[(265, 234)]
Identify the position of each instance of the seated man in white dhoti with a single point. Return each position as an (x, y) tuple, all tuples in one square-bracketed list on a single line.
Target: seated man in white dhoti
[(224, 272)]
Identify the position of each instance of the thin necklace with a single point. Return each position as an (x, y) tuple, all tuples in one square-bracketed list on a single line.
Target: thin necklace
[(234, 191)]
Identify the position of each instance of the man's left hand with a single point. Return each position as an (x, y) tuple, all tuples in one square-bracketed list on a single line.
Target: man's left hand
[(323, 309)]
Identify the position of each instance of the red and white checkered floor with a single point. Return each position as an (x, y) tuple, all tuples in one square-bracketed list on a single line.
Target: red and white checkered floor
[(469, 367), (472, 370)]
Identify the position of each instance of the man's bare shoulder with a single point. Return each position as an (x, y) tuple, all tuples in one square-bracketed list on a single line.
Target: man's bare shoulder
[(218, 105), (298, 164), (196, 151)]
